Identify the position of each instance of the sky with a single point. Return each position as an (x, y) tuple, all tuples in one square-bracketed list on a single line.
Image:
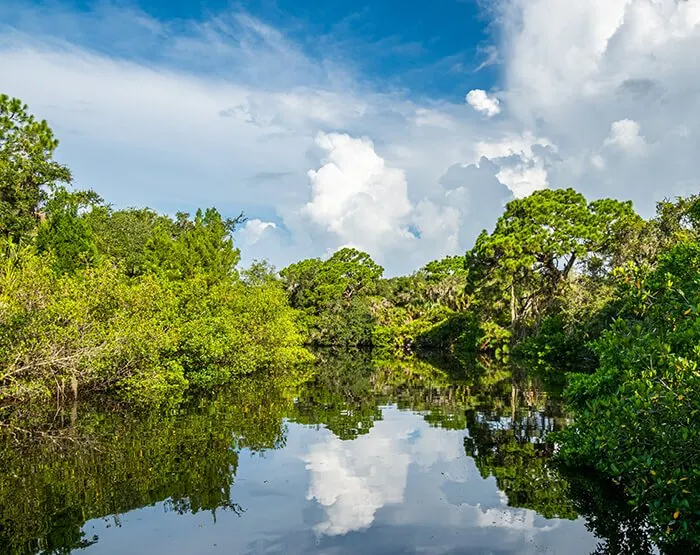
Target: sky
[(397, 127)]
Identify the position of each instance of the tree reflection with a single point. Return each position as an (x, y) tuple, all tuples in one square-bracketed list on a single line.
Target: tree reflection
[(110, 463), (107, 462), (340, 395), (509, 444), (609, 516)]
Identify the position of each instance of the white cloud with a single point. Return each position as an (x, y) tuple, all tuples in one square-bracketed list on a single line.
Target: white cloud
[(358, 200), (521, 163), (483, 103), (598, 161), (625, 135), (356, 196), (426, 117), (253, 230), (608, 61)]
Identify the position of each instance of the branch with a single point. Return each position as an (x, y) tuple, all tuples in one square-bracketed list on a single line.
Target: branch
[(569, 265)]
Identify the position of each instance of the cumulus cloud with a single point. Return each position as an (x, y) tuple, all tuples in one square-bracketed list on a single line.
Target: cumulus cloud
[(356, 196), (253, 230), (622, 61), (358, 200), (521, 160), (483, 103)]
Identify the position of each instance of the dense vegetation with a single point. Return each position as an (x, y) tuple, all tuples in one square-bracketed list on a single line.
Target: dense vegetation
[(145, 307)]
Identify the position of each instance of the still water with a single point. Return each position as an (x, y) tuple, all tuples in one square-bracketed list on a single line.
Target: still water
[(359, 457)]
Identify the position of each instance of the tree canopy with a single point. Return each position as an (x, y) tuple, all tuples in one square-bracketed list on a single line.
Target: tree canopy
[(27, 168)]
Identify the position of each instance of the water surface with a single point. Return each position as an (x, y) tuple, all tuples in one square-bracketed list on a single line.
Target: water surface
[(363, 457)]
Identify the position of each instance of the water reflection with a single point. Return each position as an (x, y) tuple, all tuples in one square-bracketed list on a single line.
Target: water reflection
[(352, 480), (362, 456)]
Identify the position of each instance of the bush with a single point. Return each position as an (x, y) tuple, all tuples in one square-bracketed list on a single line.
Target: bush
[(146, 338), (637, 415)]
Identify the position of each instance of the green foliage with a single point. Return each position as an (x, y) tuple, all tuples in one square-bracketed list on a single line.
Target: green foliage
[(26, 168), (186, 248), (128, 301), (637, 415), (519, 271), (146, 338), (64, 233), (124, 235), (146, 307), (677, 221), (562, 341), (333, 296)]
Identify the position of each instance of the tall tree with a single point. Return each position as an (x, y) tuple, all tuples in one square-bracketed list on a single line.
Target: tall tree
[(314, 284), (123, 235), (201, 245), (333, 295), (27, 167), (537, 244)]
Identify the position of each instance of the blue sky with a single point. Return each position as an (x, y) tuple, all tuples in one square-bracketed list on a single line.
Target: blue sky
[(440, 52), (401, 128)]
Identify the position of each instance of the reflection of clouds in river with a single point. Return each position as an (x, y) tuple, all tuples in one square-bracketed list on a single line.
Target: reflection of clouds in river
[(407, 487), (353, 479)]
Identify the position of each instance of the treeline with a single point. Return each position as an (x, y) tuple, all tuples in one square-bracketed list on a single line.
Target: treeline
[(127, 302)]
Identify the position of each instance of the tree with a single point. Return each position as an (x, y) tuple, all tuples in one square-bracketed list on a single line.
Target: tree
[(445, 282), (348, 273), (333, 295), (27, 168), (636, 420), (677, 220), (536, 245), (201, 245), (314, 285), (65, 233), (124, 235), (300, 283)]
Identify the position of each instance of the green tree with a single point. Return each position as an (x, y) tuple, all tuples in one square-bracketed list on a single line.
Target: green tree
[(65, 233), (529, 258), (27, 168), (636, 416), (446, 280), (676, 221), (203, 245), (124, 235), (333, 294)]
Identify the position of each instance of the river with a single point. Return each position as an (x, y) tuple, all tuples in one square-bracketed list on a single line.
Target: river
[(353, 456)]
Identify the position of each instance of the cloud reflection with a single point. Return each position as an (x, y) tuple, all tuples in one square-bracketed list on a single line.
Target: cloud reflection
[(352, 480)]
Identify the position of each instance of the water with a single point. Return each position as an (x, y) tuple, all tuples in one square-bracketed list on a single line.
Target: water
[(365, 457)]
